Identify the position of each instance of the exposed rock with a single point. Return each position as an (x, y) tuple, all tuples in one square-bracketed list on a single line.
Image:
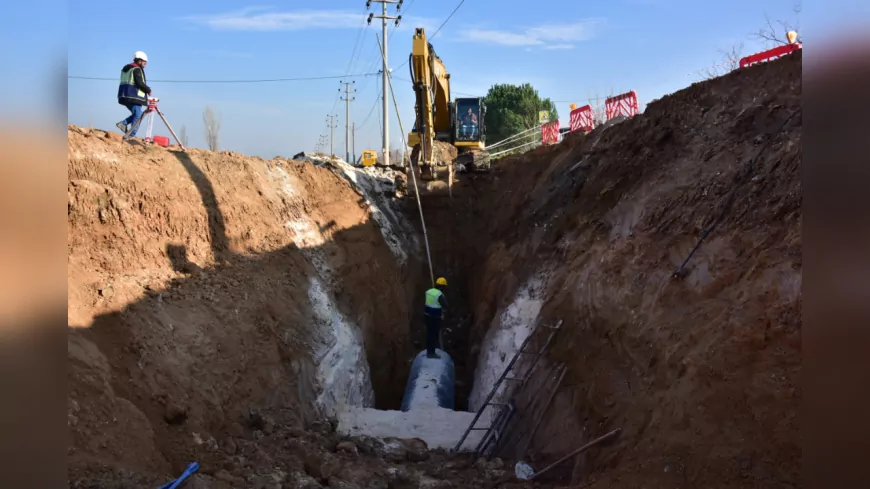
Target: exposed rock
[(321, 466), (299, 480), (347, 447), (430, 483), (202, 481)]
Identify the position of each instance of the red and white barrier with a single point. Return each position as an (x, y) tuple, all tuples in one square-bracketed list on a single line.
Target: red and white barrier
[(769, 54), (550, 133), (624, 104), (581, 119)]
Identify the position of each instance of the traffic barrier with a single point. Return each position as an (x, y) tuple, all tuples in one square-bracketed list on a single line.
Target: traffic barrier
[(623, 104), (581, 119), (550, 133), (770, 54)]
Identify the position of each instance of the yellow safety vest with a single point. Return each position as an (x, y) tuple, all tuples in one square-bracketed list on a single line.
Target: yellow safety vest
[(432, 296)]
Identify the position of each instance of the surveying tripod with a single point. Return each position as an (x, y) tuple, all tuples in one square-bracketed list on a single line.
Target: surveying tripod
[(149, 111)]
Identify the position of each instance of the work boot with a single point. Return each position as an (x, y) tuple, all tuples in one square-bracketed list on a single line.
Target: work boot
[(122, 127)]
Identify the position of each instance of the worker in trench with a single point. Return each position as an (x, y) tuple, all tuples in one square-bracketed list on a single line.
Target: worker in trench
[(433, 314)]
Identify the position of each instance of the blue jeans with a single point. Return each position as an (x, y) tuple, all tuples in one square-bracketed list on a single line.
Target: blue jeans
[(136, 114)]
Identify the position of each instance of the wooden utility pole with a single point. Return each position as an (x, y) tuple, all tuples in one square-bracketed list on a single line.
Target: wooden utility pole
[(386, 72), (347, 99)]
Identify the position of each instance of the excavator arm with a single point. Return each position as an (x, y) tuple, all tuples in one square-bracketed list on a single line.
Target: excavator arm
[(432, 90), (437, 117)]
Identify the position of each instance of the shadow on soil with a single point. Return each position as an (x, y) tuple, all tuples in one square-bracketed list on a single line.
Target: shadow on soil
[(226, 339)]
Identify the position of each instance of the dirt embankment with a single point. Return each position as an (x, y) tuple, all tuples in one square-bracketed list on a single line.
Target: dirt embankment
[(701, 371), (210, 294), (203, 286)]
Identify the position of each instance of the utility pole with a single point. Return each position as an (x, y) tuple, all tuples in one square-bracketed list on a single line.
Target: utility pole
[(347, 99), (331, 121), (353, 138), (385, 73)]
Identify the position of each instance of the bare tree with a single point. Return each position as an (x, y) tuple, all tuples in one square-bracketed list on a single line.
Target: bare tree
[(598, 104), (775, 35), (212, 128), (730, 61), (182, 134)]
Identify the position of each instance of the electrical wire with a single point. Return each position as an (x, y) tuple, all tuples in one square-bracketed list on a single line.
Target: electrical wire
[(369, 116), (265, 80), (356, 45), (447, 19), (438, 30), (452, 91)]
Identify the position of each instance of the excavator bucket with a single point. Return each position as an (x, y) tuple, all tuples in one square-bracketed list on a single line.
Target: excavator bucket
[(472, 161)]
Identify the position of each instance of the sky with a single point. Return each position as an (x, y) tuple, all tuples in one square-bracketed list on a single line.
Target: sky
[(569, 51)]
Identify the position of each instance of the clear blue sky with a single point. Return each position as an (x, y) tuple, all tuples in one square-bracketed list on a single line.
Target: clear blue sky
[(568, 50)]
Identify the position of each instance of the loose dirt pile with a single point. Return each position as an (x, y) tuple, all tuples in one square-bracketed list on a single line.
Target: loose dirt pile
[(273, 452), (700, 371)]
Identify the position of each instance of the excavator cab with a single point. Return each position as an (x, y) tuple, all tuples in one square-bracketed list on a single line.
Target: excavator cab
[(468, 122), (469, 134)]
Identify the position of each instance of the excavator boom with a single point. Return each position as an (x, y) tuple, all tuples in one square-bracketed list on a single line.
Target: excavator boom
[(457, 123)]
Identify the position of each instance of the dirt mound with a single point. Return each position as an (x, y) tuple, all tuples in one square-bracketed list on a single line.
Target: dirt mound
[(203, 285), (271, 452), (442, 153), (700, 371)]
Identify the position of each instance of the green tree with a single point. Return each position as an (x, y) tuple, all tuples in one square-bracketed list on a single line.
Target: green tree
[(511, 109)]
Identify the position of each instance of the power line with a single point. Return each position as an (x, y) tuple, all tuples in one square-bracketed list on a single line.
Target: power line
[(265, 80), (377, 99), (438, 30), (451, 88), (353, 53), (447, 19), (371, 66)]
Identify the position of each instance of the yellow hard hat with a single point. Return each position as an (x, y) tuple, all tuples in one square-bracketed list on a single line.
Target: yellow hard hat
[(441, 281)]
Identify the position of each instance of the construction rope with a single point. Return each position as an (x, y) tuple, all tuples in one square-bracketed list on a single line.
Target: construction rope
[(491, 155), (731, 196), (413, 175), (512, 138)]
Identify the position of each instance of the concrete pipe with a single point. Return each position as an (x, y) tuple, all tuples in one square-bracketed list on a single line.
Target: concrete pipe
[(430, 383)]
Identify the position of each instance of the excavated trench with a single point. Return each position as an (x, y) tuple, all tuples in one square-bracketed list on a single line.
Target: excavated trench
[(219, 305), (455, 242)]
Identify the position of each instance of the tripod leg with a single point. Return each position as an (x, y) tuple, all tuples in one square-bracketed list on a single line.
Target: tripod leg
[(136, 123), (170, 130)]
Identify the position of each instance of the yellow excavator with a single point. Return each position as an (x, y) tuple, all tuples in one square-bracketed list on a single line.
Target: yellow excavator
[(460, 123)]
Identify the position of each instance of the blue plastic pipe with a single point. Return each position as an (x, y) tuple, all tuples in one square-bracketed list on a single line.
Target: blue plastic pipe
[(191, 468)]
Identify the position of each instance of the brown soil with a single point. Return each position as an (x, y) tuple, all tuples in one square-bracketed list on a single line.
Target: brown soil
[(188, 297), (191, 328), (700, 372)]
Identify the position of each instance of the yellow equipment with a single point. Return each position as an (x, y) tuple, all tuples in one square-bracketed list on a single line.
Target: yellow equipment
[(441, 281), (460, 122), (369, 157)]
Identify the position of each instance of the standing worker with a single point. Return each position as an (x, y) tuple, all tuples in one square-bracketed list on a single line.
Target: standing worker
[(133, 92), (436, 302)]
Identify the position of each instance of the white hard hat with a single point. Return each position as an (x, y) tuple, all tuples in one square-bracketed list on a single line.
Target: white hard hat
[(140, 55)]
